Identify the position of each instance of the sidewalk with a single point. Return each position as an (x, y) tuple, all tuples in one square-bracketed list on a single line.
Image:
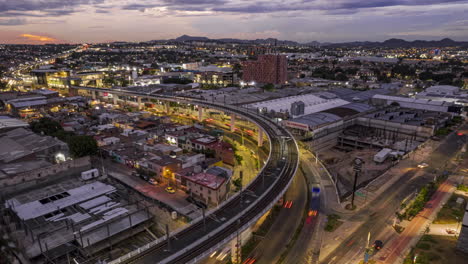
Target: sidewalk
[(400, 245)]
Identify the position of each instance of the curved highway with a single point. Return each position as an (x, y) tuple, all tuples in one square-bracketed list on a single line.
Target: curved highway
[(222, 225)]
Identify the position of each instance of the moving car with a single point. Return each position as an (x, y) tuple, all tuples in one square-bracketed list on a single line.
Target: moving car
[(170, 190), (378, 244), (423, 165)]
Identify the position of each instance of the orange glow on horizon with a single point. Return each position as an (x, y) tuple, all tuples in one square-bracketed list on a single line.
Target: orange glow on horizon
[(38, 38)]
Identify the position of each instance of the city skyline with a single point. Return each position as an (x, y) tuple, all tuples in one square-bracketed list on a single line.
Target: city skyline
[(63, 21)]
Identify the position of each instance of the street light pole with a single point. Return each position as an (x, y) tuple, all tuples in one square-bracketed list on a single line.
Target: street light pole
[(357, 169)]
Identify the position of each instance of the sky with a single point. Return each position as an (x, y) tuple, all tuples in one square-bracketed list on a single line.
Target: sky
[(93, 21)]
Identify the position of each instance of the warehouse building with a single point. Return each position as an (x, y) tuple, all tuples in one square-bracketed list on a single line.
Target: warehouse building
[(73, 217)]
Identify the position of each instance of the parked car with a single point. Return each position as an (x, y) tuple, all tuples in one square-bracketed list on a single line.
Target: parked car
[(153, 181), (170, 190)]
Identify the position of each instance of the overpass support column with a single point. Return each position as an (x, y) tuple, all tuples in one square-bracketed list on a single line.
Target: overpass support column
[(140, 106), (200, 113), (233, 122), (260, 137), (93, 94), (167, 107), (72, 91), (115, 98), (236, 245)]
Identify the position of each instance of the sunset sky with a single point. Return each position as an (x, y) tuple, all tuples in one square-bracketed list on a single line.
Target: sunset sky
[(78, 21)]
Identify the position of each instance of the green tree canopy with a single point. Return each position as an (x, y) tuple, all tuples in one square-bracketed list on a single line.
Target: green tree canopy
[(46, 126), (268, 87), (81, 146)]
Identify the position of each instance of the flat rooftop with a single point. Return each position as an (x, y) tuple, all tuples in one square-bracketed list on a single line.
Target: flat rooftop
[(313, 103), (208, 180), (73, 211)]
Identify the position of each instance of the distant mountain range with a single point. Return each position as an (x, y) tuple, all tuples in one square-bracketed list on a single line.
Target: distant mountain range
[(401, 43), (390, 43), (271, 41)]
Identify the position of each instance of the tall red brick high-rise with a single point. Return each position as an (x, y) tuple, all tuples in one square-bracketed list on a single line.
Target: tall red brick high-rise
[(267, 69)]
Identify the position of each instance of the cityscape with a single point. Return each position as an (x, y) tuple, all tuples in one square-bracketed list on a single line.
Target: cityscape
[(233, 132)]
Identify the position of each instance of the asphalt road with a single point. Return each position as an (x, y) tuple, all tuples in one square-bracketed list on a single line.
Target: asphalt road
[(380, 212), (285, 225), (307, 246)]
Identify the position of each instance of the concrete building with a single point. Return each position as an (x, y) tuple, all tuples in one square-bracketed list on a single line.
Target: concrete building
[(209, 188), (445, 93), (50, 78), (325, 129), (415, 103), (443, 89), (216, 78), (267, 69), (164, 167), (21, 175)]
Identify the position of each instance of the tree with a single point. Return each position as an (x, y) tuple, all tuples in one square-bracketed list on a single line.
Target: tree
[(237, 183), (268, 87), (46, 126), (458, 82), (403, 70), (239, 158), (426, 75), (334, 62), (81, 146), (341, 77), (237, 68), (351, 71)]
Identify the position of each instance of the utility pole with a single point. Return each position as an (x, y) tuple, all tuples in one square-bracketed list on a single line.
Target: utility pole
[(241, 194), (204, 219), (168, 238), (239, 244), (357, 170)]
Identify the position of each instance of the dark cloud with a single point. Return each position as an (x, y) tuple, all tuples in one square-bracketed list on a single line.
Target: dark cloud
[(385, 3), (12, 22), (34, 5), (195, 2), (335, 7), (9, 8), (102, 11), (139, 6)]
